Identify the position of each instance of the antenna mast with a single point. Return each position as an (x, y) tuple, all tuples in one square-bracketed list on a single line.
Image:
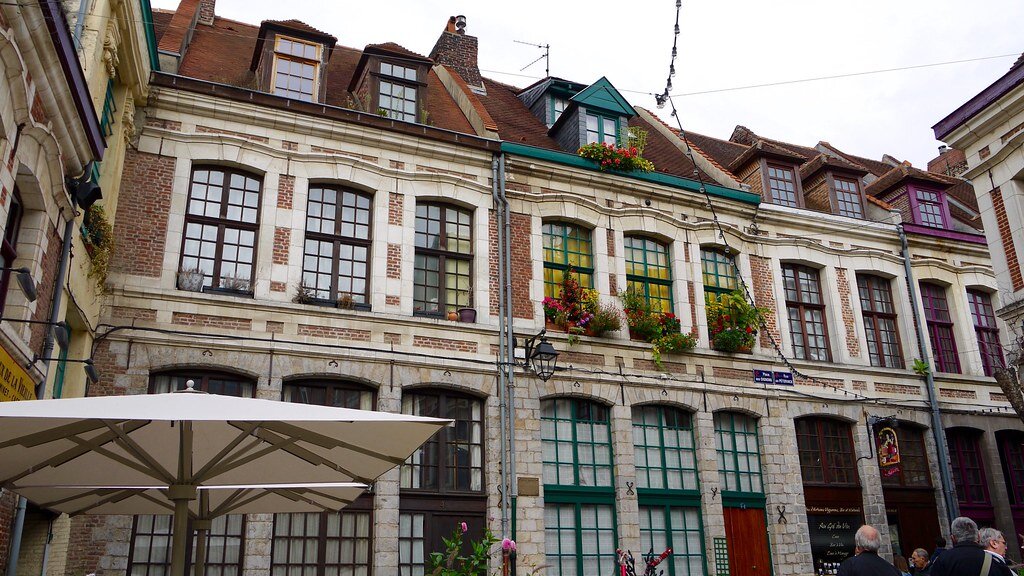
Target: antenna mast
[(546, 56)]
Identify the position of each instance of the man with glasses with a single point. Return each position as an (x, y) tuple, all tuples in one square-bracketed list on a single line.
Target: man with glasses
[(994, 543)]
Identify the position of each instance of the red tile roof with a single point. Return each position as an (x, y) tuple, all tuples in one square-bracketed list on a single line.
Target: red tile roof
[(301, 26), (665, 155), (821, 161), (876, 167), (177, 29), (514, 120)]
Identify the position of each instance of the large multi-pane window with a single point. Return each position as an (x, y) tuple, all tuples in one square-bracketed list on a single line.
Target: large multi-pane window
[(9, 246), (579, 495), (442, 483), (986, 330), (648, 271), (739, 455), (1011, 455), (719, 271), (806, 311), (150, 548), (782, 186), (150, 552), (826, 452), (848, 199), (327, 543), (295, 68), (397, 98), (221, 222), (443, 274), (566, 246), (913, 467), (666, 474), (966, 462), (879, 315), (336, 253), (929, 207), (602, 129), (940, 328)]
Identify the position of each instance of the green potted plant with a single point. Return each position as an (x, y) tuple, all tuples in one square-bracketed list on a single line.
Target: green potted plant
[(98, 235), (733, 322), (611, 157), (662, 329)]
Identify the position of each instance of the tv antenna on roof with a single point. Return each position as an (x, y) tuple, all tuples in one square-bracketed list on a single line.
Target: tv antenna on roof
[(546, 56)]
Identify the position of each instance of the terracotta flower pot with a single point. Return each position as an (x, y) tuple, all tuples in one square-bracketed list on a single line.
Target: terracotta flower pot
[(453, 316)]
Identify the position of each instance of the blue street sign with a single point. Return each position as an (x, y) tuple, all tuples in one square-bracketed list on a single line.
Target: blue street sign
[(763, 377), (784, 378)]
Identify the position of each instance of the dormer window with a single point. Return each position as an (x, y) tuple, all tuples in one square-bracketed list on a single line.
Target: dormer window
[(848, 199), (296, 65), (929, 208), (782, 185), (397, 92), (602, 129), (558, 106)]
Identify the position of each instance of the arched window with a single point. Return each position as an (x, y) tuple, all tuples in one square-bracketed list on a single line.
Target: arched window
[(739, 455), (221, 225), (986, 330), (211, 381), (336, 253), (806, 310), (325, 544), (940, 328), (150, 547), (566, 246), (879, 321), (579, 493), (443, 275), (442, 483), (667, 487), (826, 452), (649, 272), (9, 247), (719, 271)]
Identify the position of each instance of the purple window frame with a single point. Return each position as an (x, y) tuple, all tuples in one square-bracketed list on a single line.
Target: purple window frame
[(986, 329), (940, 328), (1011, 454), (915, 206), (965, 456)]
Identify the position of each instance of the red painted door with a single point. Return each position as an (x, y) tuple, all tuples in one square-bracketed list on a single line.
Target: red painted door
[(747, 539)]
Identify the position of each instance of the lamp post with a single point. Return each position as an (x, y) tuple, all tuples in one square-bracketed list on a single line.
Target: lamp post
[(28, 286)]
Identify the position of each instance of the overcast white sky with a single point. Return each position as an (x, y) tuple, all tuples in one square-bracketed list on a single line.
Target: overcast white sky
[(723, 44)]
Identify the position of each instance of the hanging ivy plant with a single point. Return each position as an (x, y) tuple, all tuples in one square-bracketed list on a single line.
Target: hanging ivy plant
[(98, 235)]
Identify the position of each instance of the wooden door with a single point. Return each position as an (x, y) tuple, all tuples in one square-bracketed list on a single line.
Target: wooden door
[(746, 536)]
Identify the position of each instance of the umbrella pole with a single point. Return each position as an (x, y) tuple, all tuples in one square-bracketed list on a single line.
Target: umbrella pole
[(202, 528), (181, 495)]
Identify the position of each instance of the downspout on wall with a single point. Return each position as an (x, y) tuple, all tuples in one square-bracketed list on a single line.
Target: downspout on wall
[(503, 361), (938, 432)]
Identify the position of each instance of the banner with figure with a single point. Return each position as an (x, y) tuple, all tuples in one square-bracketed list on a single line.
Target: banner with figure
[(888, 452)]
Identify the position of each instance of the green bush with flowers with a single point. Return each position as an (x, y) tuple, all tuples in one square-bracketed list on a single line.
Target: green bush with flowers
[(733, 322), (611, 157), (661, 329), (579, 310)]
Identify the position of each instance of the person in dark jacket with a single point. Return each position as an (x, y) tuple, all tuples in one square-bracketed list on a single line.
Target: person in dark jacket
[(966, 557), (920, 565), (866, 562), (940, 547)]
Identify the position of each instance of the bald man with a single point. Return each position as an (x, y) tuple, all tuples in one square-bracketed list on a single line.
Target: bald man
[(867, 562)]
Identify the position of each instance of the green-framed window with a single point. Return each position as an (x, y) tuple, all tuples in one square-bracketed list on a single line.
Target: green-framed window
[(739, 457), (648, 270), (664, 525), (579, 538), (602, 129), (579, 492), (109, 108), (566, 246), (558, 105), (719, 271), (576, 437), (664, 448)]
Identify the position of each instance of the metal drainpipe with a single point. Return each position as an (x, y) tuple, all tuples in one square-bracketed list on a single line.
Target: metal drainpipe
[(941, 449), (502, 360), (509, 325), (58, 292)]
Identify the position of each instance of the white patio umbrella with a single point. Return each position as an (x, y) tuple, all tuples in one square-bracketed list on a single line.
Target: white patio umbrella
[(182, 441)]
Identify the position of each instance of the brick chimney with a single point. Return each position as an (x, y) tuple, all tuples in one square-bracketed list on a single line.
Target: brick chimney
[(458, 51), (206, 11)]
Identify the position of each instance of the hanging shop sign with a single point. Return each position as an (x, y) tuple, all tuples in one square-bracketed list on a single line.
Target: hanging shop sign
[(15, 383), (888, 451)]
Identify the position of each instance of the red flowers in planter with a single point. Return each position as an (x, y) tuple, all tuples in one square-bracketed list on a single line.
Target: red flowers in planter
[(612, 157)]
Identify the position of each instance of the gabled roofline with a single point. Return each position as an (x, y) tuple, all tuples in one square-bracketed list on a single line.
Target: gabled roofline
[(979, 102)]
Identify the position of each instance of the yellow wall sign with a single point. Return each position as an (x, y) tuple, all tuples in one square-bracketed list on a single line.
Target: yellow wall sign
[(15, 383)]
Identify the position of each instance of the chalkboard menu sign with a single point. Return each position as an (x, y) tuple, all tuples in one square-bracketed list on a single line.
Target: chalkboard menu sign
[(831, 540)]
